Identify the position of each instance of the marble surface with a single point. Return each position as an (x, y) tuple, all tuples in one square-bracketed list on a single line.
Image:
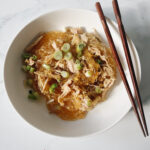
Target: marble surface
[(16, 134)]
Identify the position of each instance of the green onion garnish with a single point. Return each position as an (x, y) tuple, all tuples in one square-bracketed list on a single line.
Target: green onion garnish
[(79, 54), (33, 95), (99, 61), (65, 47), (58, 55), (64, 74), (89, 102), (77, 61), (52, 88), (68, 56), (34, 57), (97, 90), (78, 65), (36, 94), (46, 66), (80, 47), (32, 70), (88, 74), (26, 55), (28, 67)]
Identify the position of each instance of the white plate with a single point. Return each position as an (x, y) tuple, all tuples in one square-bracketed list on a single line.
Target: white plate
[(103, 116)]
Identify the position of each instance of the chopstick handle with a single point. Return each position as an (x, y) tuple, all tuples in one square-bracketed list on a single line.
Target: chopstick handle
[(112, 46), (129, 61)]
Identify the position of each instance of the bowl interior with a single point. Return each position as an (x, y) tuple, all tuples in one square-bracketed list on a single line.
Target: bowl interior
[(101, 117)]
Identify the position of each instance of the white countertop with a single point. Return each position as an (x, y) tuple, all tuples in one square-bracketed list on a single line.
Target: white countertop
[(16, 134)]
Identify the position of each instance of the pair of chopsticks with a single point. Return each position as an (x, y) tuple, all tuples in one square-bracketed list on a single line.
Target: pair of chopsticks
[(142, 123)]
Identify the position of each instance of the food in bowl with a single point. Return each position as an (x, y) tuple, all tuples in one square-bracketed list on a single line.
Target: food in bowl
[(73, 70)]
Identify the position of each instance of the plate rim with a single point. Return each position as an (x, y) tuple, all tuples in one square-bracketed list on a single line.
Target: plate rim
[(56, 11)]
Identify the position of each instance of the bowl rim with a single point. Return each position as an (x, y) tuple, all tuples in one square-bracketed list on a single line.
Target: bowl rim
[(65, 136)]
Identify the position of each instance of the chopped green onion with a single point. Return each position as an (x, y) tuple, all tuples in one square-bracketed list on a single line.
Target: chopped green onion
[(58, 55), (32, 70), (88, 74), (54, 85), (34, 57), (99, 61), (36, 94), (28, 67), (65, 47), (77, 61), (78, 65), (80, 47), (46, 66), (64, 74), (26, 55), (68, 56), (89, 102), (79, 54), (29, 82), (33, 95), (24, 67), (97, 90), (52, 88)]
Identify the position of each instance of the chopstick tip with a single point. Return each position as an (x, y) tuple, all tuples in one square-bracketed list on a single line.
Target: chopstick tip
[(97, 4), (114, 1)]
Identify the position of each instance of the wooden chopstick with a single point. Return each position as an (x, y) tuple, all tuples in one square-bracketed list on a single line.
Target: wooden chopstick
[(129, 61), (120, 68)]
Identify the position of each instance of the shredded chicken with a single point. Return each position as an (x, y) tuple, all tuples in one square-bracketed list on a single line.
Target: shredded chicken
[(75, 39), (55, 46), (75, 84), (30, 61), (59, 40), (48, 59), (45, 84), (71, 66), (40, 82), (94, 50), (50, 101), (84, 38), (74, 30), (66, 90), (60, 64)]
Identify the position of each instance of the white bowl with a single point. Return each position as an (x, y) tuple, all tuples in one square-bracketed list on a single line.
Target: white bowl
[(103, 116)]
